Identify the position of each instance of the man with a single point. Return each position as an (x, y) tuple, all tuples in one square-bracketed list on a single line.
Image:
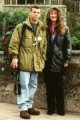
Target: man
[(30, 58)]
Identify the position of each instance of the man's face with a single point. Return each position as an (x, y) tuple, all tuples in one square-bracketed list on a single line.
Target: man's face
[(35, 14)]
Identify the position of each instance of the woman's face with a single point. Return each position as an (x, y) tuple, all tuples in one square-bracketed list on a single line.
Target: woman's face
[(53, 16)]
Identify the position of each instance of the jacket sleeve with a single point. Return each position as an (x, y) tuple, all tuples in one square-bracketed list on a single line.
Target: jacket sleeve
[(45, 49), (13, 48), (44, 46), (67, 46)]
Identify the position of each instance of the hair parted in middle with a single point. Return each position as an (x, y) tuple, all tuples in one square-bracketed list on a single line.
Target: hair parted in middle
[(60, 27)]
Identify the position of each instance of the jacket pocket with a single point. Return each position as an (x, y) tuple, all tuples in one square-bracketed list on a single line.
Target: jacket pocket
[(26, 62), (39, 63)]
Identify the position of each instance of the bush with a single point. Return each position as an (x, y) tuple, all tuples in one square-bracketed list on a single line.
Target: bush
[(15, 19), (74, 24), (9, 21), (75, 43)]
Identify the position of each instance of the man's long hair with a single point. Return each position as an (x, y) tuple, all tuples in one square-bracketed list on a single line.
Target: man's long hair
[(59, 23)]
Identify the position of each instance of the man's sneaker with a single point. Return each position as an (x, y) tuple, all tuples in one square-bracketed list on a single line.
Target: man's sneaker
[(25, 114), (32, 111)]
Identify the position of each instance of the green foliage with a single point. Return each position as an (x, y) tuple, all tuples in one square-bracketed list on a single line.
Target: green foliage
[(15, 19), (75, 43), (42, 18), (74, 25), (1, 16), (9, 21)]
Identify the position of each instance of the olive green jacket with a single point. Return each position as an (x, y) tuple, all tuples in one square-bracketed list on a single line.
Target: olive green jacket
[(32, 53)]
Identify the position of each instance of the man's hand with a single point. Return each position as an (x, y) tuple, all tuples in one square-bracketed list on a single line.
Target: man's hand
[(14, 63)]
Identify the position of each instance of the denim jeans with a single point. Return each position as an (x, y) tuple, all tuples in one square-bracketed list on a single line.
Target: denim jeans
[(28, 81)]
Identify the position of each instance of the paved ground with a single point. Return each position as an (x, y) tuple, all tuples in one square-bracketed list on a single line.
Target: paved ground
[(11, 112)]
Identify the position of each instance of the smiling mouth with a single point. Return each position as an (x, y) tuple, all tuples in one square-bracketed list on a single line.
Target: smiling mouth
[(53, 17)]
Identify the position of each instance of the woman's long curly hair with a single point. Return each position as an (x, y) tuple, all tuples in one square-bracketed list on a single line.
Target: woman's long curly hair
[(60, 27)]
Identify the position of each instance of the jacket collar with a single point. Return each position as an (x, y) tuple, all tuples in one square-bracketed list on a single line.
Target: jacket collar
[(39, 27), (40, 24)]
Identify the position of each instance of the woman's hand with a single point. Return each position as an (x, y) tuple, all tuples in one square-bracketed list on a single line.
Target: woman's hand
[(65, 65)]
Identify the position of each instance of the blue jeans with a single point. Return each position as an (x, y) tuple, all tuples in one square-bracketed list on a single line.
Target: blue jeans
[(28, 81)]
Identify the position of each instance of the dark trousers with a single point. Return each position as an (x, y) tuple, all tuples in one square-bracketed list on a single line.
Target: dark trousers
[(54, 91)]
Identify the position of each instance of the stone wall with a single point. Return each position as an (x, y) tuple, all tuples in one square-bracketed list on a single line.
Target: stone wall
[(1, 4), (71, 86), (0, 1), (14, 8)]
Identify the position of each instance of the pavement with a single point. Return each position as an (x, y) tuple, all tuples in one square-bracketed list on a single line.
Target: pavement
[(11, 112)]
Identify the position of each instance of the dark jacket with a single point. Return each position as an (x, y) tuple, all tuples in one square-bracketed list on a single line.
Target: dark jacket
[(58, 51)]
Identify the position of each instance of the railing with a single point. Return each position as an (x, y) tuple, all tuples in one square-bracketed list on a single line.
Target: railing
[(76, 5), (40, 2)]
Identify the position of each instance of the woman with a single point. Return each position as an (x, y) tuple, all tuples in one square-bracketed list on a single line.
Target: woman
[(58, 56)]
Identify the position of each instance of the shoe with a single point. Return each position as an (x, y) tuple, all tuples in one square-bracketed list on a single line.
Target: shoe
[(61, 113), (50, 112), (25, 114), (32, 111)]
